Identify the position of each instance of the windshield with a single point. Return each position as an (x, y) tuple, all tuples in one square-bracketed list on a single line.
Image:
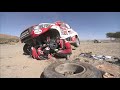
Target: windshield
[(68, 26), (44, 25)]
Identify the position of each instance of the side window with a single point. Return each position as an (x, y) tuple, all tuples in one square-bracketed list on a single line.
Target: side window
[(63, 29), (68, 26)]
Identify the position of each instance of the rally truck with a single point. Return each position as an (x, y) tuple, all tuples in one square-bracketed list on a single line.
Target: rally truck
[(36, 34)]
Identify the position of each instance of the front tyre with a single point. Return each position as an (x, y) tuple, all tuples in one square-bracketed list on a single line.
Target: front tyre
[(27, 49)]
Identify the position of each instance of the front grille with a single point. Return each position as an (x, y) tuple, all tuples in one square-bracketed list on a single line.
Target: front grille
[(27, 39), (25, 34)]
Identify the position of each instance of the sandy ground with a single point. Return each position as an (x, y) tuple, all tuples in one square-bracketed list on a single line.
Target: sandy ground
[(13, 64)]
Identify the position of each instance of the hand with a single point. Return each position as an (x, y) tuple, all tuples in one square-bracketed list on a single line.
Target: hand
[(56, 50)]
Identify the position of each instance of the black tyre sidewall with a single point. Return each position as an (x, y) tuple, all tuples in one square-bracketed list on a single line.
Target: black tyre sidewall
[(77, 43), (25, 49), (91, 72)]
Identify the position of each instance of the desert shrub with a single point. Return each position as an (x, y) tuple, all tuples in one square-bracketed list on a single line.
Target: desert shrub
[(8, 40)]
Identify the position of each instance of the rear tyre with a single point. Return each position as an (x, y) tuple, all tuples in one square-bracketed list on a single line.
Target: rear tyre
[(77, 43)]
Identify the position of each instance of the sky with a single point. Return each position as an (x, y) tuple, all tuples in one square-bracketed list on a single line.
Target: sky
[(89, 25)]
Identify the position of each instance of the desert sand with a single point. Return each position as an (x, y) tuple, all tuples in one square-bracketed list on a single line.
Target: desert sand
[(13, 64)]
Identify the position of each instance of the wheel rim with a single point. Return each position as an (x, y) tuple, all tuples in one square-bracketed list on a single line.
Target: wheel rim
[(70, 69)]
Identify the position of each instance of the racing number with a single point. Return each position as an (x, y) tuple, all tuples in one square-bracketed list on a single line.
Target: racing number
[(37, 31)]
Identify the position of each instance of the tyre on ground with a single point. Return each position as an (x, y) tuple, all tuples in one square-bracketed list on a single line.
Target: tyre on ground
[(67, 69)]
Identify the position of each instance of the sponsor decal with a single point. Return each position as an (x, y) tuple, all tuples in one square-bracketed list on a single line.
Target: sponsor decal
[(37, 30)]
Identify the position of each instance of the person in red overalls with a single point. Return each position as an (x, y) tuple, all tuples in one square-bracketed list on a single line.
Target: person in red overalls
[(64, 48), (41, 52)]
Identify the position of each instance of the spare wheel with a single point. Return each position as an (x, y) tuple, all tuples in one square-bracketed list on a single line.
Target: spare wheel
[(71, 70)]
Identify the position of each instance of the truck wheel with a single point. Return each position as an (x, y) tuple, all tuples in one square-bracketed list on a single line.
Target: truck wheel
[(77, 43), (27, 49), (71, 70)]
